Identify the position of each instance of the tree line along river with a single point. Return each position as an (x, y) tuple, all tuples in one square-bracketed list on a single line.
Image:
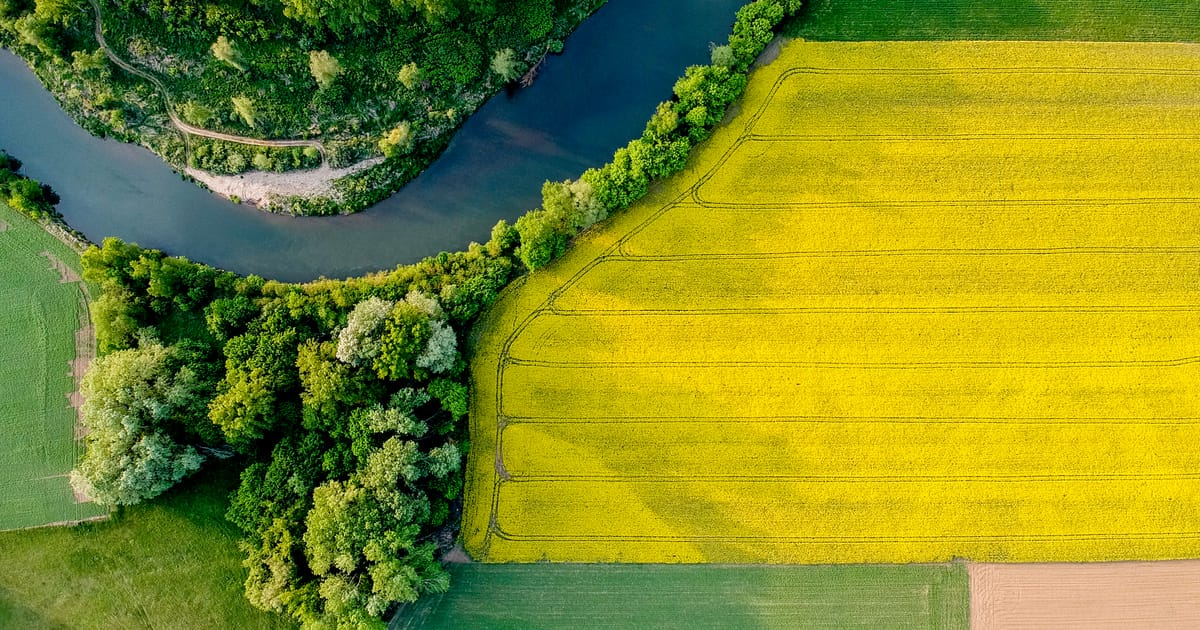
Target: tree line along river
[(585, 103)]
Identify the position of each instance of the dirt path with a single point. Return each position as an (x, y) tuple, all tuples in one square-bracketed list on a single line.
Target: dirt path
[(178, 122), (65, 273), (1116, 595)]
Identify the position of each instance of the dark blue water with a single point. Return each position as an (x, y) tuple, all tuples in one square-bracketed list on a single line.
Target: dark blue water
[(588, 101)]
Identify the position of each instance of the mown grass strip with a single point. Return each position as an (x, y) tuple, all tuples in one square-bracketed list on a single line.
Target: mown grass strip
[(657, 596)]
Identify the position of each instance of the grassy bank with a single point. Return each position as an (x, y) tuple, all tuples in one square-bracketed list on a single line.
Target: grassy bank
[(173, 563)]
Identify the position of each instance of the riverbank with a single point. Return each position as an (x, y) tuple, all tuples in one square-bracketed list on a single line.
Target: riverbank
[(585, 103), (269, 191)]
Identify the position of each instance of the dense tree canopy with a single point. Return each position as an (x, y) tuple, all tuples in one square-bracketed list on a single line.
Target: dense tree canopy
[(346, 400), (132, 400)]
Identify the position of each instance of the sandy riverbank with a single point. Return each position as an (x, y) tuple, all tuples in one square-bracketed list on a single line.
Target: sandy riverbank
[(258, 187)]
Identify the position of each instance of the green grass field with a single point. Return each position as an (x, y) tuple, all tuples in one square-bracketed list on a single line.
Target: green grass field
[(41, 315), (694, 597), (1094, 20), (172, 563)]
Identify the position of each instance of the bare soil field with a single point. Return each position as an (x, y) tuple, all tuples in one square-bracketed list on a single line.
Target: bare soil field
[(1094, 596)]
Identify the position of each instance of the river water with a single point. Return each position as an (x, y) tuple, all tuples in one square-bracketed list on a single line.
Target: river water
[(588, 101)]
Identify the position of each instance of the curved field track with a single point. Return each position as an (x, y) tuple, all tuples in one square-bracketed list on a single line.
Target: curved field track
[(921, 301)]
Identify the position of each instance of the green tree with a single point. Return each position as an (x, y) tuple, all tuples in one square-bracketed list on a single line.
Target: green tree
[(245, 407), (542, 239), (432, 11), (341, 17), (325, 68), (129, 404), (405, 333)]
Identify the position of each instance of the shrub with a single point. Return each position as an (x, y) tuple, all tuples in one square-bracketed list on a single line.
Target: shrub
[(398, 141)]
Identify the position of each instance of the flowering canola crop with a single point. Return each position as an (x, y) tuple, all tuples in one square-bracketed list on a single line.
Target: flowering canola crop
[(918, 301)]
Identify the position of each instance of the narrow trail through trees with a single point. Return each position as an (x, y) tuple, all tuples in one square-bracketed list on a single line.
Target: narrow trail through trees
[(176, 121)]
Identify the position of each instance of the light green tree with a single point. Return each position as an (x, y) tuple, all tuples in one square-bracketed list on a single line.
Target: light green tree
[(358, 342), (723, 56), (410, 75), (397, 141), (324, 67), (243, 106), (196, 113), (505, 65), (225, 51)]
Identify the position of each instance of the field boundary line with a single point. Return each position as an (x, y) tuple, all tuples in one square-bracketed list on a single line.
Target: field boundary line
[(1183, 361), (1040, 478), (755, 137), (933, 310), (930, 71), (866, 253), (818, 540), (519, 420), (945, 203), (768, 540)]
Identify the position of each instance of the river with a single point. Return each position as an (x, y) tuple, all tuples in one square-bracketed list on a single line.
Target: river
[(585, 103)]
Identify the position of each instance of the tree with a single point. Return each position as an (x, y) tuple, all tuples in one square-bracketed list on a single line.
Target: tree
[(410, 75), (541, 239), (325, 67), (224, 51), (723, 56), (245, 408), (358, 342), (361, 535), (405, 333), (441, 349), (129, 405), (196, 113), (432, 11), (398, 141), (243, 106), (342, 17), (505, 65), (452, 395)]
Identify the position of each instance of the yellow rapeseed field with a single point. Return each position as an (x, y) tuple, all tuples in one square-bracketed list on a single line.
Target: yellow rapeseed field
[(916, 302)]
